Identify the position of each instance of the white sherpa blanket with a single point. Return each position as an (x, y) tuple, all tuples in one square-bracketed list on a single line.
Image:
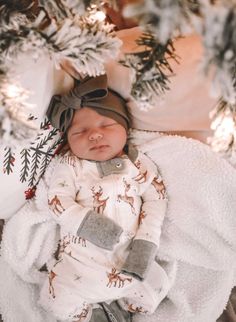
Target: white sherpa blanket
[(198, 237)]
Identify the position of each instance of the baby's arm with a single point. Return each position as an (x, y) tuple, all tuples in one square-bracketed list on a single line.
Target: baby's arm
[(146, 242), (74, 218)]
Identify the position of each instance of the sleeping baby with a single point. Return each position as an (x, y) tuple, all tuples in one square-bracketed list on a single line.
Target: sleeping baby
[(109, 201)]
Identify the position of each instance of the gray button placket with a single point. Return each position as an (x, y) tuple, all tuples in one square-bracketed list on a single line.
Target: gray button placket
[(108, 167)]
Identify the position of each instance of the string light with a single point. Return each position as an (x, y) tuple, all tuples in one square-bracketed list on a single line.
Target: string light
[(99, 16), (15, 101), (12, 91), (223, 140)]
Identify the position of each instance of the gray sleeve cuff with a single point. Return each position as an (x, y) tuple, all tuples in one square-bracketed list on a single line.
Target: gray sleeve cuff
[(141, 255), (99, 230)]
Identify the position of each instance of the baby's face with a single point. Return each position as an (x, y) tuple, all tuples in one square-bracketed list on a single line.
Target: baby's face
[(95, 137)]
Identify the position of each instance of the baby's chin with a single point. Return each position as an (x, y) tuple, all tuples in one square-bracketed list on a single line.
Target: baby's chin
[(104, 156)]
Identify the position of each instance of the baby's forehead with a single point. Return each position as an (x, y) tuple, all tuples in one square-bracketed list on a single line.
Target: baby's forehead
[(87, 115)]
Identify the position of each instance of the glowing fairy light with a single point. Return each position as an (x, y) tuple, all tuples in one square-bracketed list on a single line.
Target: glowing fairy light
[(12, 91), (223, 126), (99, 16), (14, 99), (223, 140)]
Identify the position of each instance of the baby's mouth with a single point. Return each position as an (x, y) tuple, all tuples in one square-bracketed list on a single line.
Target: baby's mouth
[(99, 147)]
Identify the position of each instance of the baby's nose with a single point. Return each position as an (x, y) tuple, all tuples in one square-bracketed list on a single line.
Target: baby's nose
[(95, 136)]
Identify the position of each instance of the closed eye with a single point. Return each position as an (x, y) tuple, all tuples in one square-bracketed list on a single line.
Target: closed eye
[(78, 132), (111, 124)]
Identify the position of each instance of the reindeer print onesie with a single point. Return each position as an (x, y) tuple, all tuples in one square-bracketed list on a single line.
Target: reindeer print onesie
[(110, 215)]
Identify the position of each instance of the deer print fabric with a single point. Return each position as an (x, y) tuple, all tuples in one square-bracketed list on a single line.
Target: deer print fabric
[(131, 195)]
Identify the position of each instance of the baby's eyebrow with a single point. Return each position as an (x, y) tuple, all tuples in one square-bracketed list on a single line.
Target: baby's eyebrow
[(79, 129), (108, 121), (75, 128)]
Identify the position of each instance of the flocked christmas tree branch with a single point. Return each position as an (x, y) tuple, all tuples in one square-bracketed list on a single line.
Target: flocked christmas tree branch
[(152, 69), (62, 30), (162, 21), (215, 21)]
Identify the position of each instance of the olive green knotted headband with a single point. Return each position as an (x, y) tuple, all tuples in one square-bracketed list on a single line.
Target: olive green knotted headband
[(90, 92)]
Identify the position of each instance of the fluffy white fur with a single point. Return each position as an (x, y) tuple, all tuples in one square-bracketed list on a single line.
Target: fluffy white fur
[(199, 230)]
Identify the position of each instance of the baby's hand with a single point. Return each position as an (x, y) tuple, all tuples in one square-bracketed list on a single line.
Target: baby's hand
[(100, 230)]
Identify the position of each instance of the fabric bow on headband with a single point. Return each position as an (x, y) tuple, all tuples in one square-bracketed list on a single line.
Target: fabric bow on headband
[(88, 92)]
